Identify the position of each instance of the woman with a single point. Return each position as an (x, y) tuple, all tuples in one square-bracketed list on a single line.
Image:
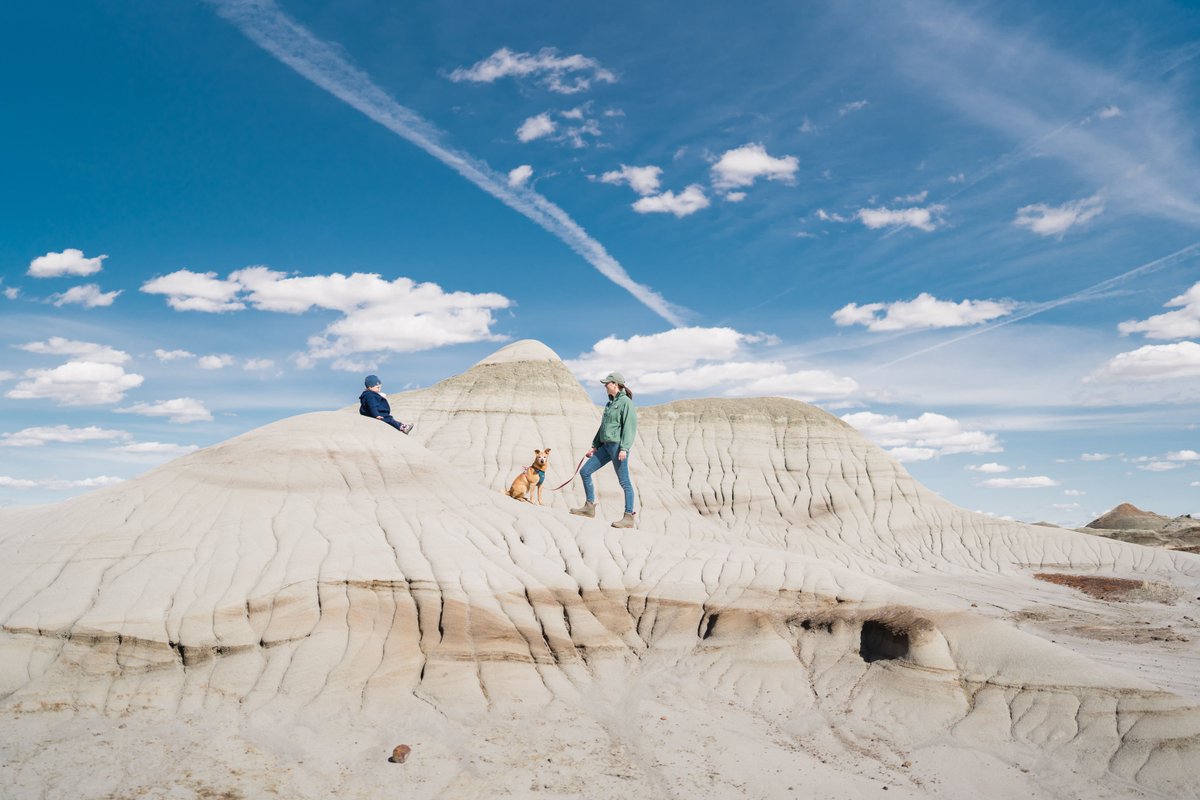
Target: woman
[(612, 442)]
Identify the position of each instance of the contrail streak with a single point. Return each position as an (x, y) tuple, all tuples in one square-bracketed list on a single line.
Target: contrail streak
[(266, 25), (1082, 294)]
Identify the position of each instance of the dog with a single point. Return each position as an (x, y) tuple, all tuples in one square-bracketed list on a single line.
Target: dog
[(531, 478)]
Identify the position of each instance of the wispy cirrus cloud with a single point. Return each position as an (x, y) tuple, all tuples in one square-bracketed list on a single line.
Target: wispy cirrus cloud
[(1148, 163), (267, 26)]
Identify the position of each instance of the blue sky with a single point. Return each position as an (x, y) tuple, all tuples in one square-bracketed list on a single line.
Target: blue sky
[(972, 230)]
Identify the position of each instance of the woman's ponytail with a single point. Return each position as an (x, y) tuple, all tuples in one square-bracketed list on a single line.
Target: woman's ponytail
[(627, 390)]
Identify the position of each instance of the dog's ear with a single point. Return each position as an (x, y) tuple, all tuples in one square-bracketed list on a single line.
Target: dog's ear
[(537, 452), (547, 451)]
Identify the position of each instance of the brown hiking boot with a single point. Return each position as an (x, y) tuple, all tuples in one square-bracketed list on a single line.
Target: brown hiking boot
[(627, 521), (586, 510)]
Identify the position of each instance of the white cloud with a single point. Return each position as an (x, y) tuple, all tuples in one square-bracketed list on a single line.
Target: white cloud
[(1108, 112), (807, 385), (857, 105), (1066, 506), (172, 355), (68, 262), (1160, 466), (1183, 455), (519, 176), (807, 126), (735, 197), (1174, 324), (958, 178), (825, 216), (1074, 492), (156, 449), (258, 364), (57, 484), (379, 315), (678, 348), (919, 197), (536, 127), (643, 180), (708, 359), (942, 434), (5, 375), (924, 219), (561, 74), (77, 383), (1049, 220), (83, 351), (741, 166), (689, 201), (1152, 362), (925, 311), (1031, 482), (909, 454), (989, 467), (195, 291), (1095, 456), (179, 409), (87, 295), (215, 361), (37, 437)]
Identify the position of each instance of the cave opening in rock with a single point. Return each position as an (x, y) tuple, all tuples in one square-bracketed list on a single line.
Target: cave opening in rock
[(878, 642)]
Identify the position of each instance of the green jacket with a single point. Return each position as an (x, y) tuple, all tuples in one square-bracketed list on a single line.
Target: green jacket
[(619, 423)]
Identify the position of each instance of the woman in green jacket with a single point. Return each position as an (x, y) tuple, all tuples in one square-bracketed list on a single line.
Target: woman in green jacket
[(612, 442)]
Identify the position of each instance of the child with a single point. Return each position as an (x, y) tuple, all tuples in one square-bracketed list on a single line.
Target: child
[(373, 403)]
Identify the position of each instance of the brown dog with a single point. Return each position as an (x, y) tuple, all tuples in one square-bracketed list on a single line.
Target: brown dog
[(532, 477)]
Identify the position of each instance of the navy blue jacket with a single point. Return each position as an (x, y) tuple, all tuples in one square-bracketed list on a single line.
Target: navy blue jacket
[(373, 404)]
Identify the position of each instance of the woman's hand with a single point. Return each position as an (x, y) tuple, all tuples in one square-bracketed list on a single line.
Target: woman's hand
[(621, 456), (590, 452)]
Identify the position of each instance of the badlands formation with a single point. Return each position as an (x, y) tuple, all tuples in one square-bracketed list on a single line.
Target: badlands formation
[(794, 617)]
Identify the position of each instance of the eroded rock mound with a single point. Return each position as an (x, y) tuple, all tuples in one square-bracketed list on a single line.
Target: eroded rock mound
[(289, 602)]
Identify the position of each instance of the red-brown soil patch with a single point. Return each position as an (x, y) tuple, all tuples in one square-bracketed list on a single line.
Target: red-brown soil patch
[(1098, 587)]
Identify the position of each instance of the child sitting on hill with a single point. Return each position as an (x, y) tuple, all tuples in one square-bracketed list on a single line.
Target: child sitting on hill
[(373, 403)]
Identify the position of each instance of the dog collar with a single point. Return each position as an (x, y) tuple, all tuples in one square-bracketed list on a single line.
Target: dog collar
[(541, 476)]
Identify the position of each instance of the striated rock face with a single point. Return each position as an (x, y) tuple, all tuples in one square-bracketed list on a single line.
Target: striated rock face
[(793, 606)]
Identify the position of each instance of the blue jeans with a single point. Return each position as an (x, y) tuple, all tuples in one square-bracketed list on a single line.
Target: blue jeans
[(605, 453)]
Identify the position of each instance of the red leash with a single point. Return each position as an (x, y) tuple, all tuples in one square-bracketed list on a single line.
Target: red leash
[(573, 474)]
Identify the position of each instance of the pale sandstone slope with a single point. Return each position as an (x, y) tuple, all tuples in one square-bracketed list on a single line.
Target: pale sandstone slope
[(287, 603)]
